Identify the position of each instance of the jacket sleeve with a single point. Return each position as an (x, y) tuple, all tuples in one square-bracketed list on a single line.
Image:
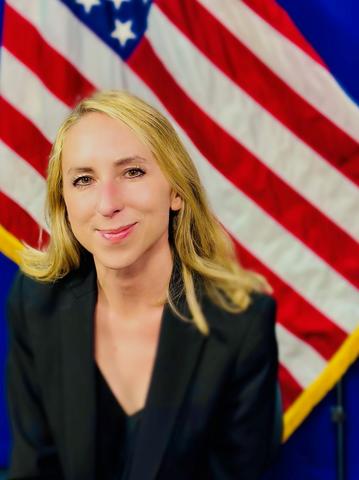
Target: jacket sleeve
[(242, 440), (34, 455)]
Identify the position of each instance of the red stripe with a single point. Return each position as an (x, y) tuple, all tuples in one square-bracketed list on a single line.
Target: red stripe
[(262, 84), (246, 172), (22, 39), (23, 137), (295, 313), (19, 223), (279, 19), (290, 388)]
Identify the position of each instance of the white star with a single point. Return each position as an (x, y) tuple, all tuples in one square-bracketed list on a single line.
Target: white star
[(88, 4), (123, 31), (118, 3)]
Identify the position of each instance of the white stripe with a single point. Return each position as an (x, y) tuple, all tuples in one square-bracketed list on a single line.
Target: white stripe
[(22, 89), (269, 140), (23, 184), (300, 359), (258, 232), (304, 75)]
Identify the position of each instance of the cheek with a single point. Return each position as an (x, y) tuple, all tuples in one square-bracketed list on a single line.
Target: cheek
[(155, 209), (78, 209), (154, 197)]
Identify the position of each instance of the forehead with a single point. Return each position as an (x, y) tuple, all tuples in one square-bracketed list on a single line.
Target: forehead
[(97, 134)]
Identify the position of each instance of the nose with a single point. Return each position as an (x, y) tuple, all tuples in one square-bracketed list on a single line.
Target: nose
[(109, 199)]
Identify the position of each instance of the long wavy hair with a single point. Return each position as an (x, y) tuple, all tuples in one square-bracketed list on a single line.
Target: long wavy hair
[(203, 249)]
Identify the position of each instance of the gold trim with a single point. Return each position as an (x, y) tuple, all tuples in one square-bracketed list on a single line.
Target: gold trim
[(10, 246), (311, 396)]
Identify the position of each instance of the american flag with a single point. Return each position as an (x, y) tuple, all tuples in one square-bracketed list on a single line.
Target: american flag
[(274, 138)]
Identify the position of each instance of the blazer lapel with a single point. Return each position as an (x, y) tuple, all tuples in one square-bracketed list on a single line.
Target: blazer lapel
[(178, 352), (79, 376)]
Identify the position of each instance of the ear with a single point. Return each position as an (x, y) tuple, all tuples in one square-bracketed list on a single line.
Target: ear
[(176, 201)]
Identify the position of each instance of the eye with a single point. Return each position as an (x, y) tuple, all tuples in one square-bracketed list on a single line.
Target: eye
[(82, 181), (135, 172)]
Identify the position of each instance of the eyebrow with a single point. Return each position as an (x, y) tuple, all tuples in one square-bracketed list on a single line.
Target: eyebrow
[(120, 162)]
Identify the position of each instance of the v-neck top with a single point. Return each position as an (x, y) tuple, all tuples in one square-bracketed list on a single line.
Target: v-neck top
[(115, 433)]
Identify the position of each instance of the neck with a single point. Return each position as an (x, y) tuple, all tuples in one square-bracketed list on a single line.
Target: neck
[(136, 289)]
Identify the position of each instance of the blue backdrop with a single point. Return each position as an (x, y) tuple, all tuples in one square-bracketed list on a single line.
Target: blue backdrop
[(7, 269)]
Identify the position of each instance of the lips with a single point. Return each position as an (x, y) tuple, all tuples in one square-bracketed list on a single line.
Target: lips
[(117, 230), (117, 235)]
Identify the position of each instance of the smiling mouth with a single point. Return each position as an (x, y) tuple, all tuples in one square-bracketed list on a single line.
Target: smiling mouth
[(116, 230), (118, 234)]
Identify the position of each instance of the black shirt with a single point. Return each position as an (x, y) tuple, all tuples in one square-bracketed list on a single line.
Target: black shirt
[(116, 433)]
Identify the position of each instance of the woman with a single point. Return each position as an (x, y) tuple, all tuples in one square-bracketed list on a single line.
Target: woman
[(140, 349)]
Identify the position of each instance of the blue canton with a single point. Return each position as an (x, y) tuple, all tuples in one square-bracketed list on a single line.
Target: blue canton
[(121, 24)]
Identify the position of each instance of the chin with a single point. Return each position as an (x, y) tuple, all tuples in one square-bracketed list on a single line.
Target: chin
[(113, 263)]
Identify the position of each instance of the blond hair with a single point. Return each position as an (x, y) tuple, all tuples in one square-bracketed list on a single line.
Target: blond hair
[(203, 248)]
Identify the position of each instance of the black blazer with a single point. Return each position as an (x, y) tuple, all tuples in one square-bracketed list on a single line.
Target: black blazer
[(210, 408)]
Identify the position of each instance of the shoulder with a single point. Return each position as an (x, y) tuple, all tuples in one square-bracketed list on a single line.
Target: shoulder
[(31, 302), (28, 302), (28, 292), (251, 329), (34, 292), (259, 313), (36, 310)]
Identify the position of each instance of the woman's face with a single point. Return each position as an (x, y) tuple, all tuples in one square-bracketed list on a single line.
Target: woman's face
[(111, 180)]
